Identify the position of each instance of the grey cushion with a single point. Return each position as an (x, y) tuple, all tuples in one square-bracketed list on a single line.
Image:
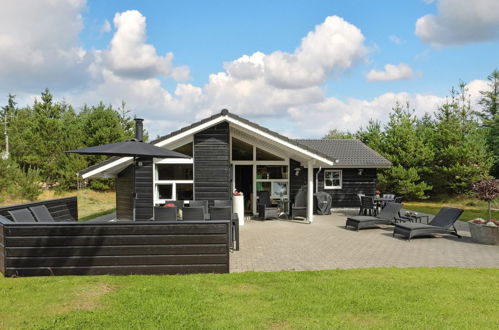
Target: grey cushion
[(22, 215), (41, 213)]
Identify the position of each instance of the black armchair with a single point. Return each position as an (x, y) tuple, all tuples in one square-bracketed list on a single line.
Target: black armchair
[(299, 207), (264, 206)]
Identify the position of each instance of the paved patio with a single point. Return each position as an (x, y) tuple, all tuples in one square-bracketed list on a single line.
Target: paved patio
[(293, 245)]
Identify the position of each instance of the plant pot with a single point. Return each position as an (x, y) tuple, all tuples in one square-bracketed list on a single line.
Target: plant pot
[(483, 234)]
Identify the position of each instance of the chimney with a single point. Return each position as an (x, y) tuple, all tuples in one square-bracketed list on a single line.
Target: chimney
[(139, 129)]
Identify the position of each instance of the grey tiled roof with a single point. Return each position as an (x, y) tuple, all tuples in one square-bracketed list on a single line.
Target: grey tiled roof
[(348, 152)]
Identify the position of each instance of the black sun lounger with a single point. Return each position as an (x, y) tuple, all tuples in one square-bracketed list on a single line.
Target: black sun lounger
[(21, 215), (41, 213), (442, 223), (385, 217)]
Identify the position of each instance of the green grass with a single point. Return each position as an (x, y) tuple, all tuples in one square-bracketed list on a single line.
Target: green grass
[(430, 298), (473, 208), (97, 214)]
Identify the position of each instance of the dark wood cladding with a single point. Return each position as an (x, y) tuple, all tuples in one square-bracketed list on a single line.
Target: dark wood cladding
[(153, 247), (211, 163), (353, 184), (61, 209), (124, 194), (144, 201)]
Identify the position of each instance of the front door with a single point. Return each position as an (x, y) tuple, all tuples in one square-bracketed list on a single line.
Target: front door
[(244, 183)]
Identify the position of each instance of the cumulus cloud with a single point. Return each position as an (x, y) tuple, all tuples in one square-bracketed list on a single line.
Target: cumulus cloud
[(460, 22), (129, 54), (318, 119), (36, 52), (392, 72), (334, 46)]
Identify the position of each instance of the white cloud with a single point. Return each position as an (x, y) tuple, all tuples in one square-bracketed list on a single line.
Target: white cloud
[(39, 45), (334, 46), (317, 119), (460, 22), (396, 40), (106, 27), (392, 72), (130, 55)]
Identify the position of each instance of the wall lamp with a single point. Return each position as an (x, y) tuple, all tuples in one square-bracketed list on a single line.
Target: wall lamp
[(297, 171)]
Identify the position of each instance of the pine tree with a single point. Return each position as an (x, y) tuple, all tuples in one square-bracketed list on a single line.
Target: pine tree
[(490, 117)]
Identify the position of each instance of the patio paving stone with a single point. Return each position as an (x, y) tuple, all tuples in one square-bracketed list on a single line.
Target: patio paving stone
[(325, 244)]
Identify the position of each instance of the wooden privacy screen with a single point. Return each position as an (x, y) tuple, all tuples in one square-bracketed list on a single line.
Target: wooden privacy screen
[(155, 247)]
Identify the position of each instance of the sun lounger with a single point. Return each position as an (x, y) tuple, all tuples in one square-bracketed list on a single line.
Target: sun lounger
[(385, 217), (21, 215), (41, 213), (442, 223)]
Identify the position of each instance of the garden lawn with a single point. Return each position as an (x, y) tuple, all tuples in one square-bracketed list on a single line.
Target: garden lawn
[(472, 207), (430, 298)]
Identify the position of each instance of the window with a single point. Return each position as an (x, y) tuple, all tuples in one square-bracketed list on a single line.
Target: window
[(274, 172), (173, 181), (332, 179), (264, 155), (174, 171), (241, 150)]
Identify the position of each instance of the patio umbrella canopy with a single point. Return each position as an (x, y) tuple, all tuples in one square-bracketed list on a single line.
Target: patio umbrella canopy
[(131, 148)]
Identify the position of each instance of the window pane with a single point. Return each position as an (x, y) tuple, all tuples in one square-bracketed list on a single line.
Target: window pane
[(332, 179), (174, 171), (184, 191), (186, 149), (271, 172), (279, 189), (263, 186), (263, 155), (165, 191), (241, 150)]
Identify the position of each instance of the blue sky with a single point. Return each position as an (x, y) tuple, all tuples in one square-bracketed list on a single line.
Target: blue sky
[(115, 50)]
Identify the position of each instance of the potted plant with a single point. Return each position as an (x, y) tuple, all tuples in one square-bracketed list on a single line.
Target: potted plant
[(377, 194), (486, 231)]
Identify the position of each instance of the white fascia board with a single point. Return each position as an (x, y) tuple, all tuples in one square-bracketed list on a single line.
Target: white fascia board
[(159, 144), (278, 140), (191, 131), (106, 167)]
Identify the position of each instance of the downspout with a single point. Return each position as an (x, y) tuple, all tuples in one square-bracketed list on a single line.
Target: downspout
[(317, 180)]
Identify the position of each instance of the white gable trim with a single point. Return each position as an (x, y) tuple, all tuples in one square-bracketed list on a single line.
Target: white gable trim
[(280, 141), (205, 126)]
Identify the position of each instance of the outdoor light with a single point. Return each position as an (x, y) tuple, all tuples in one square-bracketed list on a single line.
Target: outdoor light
[(360, 171), (297, 171)]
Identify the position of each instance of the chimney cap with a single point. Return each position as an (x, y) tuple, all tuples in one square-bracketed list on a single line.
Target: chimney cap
[(138, 119), (224, 112)]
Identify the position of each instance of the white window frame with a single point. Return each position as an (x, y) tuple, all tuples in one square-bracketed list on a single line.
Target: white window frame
[(173, 183), (341, 179)]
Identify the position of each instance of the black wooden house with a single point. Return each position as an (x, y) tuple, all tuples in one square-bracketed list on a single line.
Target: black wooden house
[(231, 153)]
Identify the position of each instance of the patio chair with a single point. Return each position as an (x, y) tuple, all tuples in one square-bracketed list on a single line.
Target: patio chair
[(398, 199), (225, 213), (299, 207), (389, 196), (222, 202), (21, 215), (220, 213), (168, 213), (201, 203), (41, 213), (442, 223), (264, 206), (193, 213), (368, 206), (360, 203), (387, 216)]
